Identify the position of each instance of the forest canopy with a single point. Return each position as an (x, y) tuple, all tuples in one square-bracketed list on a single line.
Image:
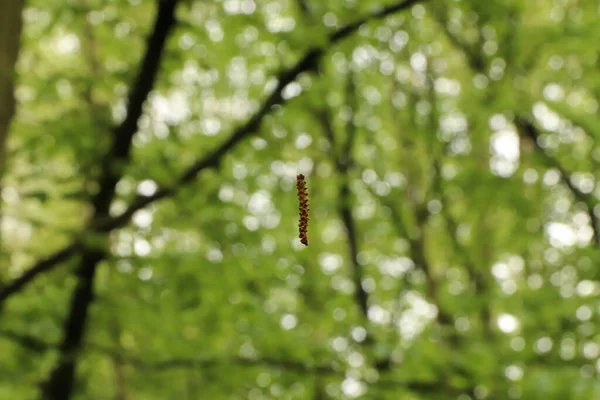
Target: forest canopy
[(150, 244)]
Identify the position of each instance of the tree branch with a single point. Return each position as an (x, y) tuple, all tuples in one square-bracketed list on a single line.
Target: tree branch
[(342, 159), (27, 341), (211, 160), (59, 385), (41, 267), (529, 131)]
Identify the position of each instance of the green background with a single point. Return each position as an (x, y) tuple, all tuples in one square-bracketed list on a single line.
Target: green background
[(149, 243)]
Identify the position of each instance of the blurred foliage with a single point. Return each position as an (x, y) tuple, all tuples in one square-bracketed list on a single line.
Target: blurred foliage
[(473, 242)]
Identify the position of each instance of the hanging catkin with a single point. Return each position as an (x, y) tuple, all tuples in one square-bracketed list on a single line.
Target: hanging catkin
[(303, 208)]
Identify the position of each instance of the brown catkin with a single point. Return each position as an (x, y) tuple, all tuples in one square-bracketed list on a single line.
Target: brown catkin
[(303, 208)]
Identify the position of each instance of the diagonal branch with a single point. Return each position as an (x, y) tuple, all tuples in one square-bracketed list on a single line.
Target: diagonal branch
[(528, 130), (384, 12), (41, 267), (28, 341), (213, 159)]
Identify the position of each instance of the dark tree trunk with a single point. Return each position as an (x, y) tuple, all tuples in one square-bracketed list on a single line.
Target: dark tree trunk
[(62, 379)]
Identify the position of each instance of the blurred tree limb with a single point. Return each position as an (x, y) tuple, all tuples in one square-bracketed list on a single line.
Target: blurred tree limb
[(342, 160), (528, 131)]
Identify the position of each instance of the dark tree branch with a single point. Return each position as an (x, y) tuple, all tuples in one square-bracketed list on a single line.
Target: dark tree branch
[(211, 160), (342, 159), (61, 381), (528, 131), (304, 8), (324, 117), (27, 341), (41, 267), (362, 298)]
